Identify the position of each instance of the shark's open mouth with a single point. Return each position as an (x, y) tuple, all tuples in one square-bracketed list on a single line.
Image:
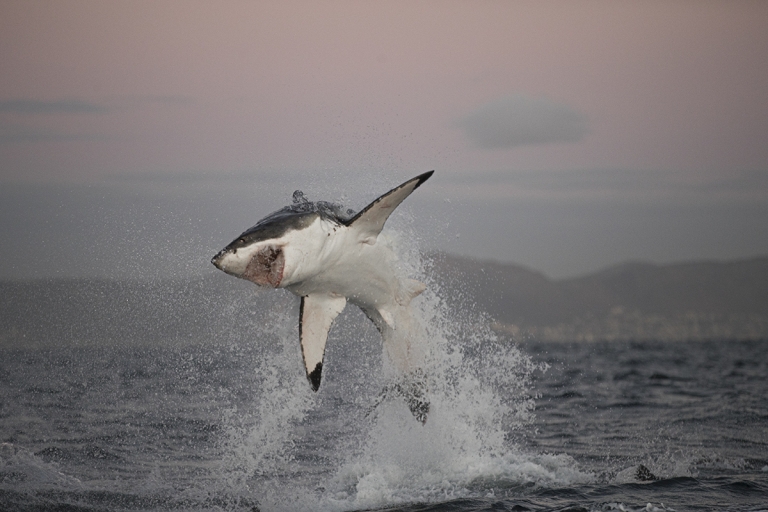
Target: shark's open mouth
[(266, 267)]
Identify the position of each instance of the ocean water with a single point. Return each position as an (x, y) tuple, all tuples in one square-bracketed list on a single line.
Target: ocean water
[(227, 421)]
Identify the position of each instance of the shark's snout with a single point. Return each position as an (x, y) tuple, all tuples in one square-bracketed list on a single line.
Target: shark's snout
[(216, 260)]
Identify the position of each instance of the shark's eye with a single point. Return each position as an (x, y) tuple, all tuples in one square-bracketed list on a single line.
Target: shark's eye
[(241, 240)]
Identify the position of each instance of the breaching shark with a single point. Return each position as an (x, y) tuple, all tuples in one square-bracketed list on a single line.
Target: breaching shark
[(327, 256)]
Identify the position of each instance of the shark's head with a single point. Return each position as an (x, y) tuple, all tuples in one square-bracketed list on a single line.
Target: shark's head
[(276, 250), (263, 253)]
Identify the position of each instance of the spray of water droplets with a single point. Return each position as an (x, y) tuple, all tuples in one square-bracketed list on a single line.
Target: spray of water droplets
[(339, 450)]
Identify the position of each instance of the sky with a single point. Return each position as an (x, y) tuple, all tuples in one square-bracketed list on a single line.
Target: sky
[(137, 138)]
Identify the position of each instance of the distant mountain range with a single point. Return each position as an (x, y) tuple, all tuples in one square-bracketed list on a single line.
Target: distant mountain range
[(632, 301)]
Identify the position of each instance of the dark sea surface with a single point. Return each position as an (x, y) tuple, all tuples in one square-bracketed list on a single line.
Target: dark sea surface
[(228, 422)]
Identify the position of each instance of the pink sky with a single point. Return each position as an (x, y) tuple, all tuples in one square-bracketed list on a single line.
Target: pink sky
[(234, 86), (576, 133)]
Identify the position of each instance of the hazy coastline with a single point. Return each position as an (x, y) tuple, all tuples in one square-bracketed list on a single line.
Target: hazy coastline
[(628, 302)]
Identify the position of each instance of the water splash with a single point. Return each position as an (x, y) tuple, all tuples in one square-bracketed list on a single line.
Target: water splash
[(479, 387)]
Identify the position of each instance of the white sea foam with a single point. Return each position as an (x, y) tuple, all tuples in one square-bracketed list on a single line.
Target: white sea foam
[(259, 441), (479, 389), (21, 469)]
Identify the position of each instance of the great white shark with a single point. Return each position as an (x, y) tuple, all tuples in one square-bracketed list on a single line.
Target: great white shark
[(329, 256)]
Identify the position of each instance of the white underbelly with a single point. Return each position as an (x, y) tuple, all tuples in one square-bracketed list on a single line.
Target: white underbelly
[(366, 279)]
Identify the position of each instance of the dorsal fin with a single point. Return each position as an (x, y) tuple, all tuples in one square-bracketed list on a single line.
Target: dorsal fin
[(370, 220)]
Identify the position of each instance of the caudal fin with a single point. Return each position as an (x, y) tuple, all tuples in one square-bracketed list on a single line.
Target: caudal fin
[(413, 388)]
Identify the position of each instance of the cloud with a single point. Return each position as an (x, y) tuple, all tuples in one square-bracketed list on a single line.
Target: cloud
[(20, 106), (167, 99), (12, 133), (26, 120), (520, 121), (141, 101)]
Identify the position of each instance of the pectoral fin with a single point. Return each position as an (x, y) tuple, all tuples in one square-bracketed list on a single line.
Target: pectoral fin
[(317, 313), (370, 221), (388, 317)]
